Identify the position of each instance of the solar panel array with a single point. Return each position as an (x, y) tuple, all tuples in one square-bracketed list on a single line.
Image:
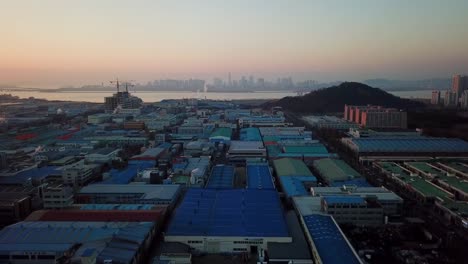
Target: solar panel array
[(420, 144), (259, 177), (236, 212), (328, 240)]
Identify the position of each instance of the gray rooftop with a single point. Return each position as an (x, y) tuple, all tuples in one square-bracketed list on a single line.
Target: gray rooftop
[(297, 249)]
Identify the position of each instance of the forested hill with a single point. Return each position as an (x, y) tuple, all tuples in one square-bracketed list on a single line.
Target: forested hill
[(334, 98)]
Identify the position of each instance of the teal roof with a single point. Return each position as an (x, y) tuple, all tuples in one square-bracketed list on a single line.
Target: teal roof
[(222, 132)]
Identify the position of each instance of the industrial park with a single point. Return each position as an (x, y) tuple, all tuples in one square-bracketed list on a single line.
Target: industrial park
[(205, 181)]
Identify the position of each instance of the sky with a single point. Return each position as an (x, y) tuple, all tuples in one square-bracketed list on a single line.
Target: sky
[(51, 43)]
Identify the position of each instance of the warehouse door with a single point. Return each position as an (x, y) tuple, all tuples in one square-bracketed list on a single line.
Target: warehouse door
[(212, 246)]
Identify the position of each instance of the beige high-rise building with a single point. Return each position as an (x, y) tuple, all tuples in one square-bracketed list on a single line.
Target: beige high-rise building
[(435, 99), (450, 99)]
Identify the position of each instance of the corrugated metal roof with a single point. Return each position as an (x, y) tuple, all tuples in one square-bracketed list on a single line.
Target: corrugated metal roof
[(222, 132), (259, 177), (61, 236), (291, 167), (335, 170), (414, 144), (129, 173), (239, 213), (295, 185), (344, 199), (250, 134), (222, 177), (147, 191), (326, 236)]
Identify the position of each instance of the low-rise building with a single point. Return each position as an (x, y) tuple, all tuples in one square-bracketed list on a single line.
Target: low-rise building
[(240, 151), (57, 196), (78, 173)]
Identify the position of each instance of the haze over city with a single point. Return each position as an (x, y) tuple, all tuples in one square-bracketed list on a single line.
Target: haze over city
[(57, 43)]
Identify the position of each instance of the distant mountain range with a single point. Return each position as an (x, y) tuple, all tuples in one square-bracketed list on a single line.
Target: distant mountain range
[(334, 98)]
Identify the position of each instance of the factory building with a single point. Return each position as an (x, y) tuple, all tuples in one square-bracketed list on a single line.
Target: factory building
[(454, 212), (259, 177), (401, 148), (75, 242), (329, 122), (221, 135), (128, 194), (335, 172), (191, 171), (241, 151), (323, 233), (230, 221), (291, 167), (221, 177)]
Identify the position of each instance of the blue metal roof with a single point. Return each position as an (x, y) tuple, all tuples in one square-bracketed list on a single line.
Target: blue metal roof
[(344, 199), (129, 173), (61, 236), (250, 134), (327, 236), (222, 177), (237, 212), (413, 144), (259, 177), (33, 174), (359, 182), (294, 185)]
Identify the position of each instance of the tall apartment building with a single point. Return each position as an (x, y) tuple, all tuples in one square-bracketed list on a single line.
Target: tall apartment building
[(435, 99), (450, 99), (376, 116), (464, 99), (459, 84)]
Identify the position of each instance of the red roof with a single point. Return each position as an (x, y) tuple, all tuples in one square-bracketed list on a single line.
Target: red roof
[(103, 216), (26, 136)]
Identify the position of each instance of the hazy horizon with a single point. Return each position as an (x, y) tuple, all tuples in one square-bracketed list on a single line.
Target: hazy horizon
[(53, 43)]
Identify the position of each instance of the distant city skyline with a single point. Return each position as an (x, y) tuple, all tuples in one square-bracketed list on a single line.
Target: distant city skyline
[(55, 43)]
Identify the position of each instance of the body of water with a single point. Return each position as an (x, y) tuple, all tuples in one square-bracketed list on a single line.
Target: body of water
[(98, 97)]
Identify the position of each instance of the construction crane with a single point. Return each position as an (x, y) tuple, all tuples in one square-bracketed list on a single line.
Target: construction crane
[(128, 83)]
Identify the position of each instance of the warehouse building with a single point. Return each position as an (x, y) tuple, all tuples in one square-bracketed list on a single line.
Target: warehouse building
[(391, 148), (297, 185), (291, 167), (250, 134), (335, 172), (221, 177), (329, 122), (323, 233), (191, 171), (221, 135), (103, 213), (129, 173), (390, 202), (259, 177), (454, 212), (129, 194), (233, 221), (75, 242), (240, 151)]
